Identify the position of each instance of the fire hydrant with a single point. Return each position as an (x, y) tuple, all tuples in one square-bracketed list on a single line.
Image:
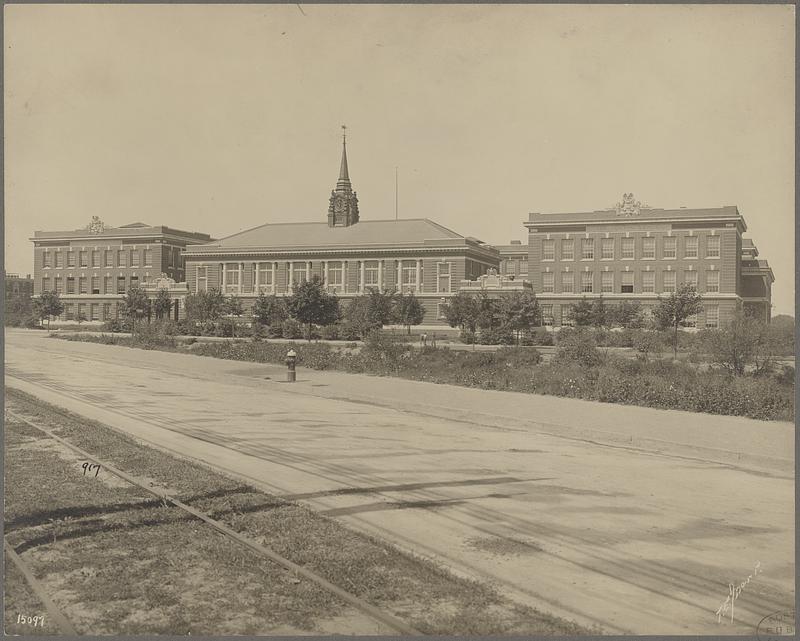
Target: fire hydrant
[(291, 358)]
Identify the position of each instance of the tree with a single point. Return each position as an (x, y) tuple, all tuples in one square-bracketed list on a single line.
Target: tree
[(626, 314), (598, 315), (463, 311), (582, 313), (232, 307), (489, 315), (673, 311), (136, 304), (372, 310), (48, 305), (409, 311), (311, 305), (270, 310), (162, 304), (519, 312), (743, 341), (205, 306)]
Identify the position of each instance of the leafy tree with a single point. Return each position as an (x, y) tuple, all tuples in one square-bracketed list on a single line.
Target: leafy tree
[(627, 314), (598, 316), (519, 312), (464, 311), (490, 315), (270, 310), (311, 305), (582, 313), (47, 305), (205, 306), (673, 311), (783, 327), (136, 304), (743, 341), (409, 311), (232, 307), (372, 310), (162, 304)]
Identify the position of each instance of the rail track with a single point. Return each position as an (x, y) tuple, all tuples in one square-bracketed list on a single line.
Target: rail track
[(388, 620)]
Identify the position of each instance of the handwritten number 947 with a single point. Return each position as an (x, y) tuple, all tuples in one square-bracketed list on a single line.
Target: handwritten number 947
[(88, 467)]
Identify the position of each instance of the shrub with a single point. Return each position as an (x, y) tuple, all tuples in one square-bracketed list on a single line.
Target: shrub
[(496, 337), (290, 328), (578, 347), (330, 332), (348, 331), (540, 336)]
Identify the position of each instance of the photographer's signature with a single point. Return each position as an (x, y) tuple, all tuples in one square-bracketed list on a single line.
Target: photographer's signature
[(733, 593)]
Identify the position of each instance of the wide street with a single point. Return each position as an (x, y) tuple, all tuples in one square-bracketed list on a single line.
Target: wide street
[(632, 519)]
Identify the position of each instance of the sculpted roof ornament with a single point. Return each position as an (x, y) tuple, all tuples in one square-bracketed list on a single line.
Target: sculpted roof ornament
[(96, 226), (629, 206)]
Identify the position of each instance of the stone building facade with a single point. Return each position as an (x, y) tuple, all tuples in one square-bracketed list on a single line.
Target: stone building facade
[(92, 268), (634, 252)]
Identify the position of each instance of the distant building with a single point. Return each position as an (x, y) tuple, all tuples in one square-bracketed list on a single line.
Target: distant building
[(635, 252), (513, 259), (17, 288), (349, 254), (92, 268)]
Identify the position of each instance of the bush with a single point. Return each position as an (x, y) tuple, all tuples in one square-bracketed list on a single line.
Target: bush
[(578, 347), (540, 336), (496, 337), (468, 338), (330, 332), (348, 331), (290, 328)]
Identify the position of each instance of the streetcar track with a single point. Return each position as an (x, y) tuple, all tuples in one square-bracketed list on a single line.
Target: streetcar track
[(378, 615)]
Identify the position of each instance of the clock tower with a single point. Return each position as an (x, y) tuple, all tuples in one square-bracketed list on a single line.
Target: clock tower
[(343, 207)]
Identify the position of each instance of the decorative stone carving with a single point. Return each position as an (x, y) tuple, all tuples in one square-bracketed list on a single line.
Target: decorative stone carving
[(96, 226), (629, 206)]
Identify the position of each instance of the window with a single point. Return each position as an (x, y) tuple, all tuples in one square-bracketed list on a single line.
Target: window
[(108, 258), (45, 284), (669, 282), (84, 256), (70, 284), (409, 275), (264, 277), (440, 307), (690, 278), (370, 273), (94, 311), (547, 315), (712, 316), (59, 284), (120, 284), (95, 284), (607, 248), (134, 282), (712, 281), (606, 282), (81, 312), (548, 250), (46, 258), (335, 276), (566, 316), (202, 278), (523, 266), (587, 282), (68, 314), (108, 285), (106, 311), (122, 258), (548, 282), (587, 248), (627, 283), (712, 247), (648, 247), (82, 285), (95, 258), (648, 282), (134, 258), (298, 274), (443, 277), (567, 249), (670, 247), (690, 247), (690, 321), (148, 257), (59, 259), (70, 258), (568, 282)]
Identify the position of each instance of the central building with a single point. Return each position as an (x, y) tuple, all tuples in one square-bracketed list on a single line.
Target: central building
[(413, 256)]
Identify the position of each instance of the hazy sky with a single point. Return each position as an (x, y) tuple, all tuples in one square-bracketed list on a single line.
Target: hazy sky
[(221, 118)]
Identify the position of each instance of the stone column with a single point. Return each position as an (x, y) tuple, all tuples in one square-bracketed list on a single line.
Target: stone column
[(380, 275), (274, 278), (418, 287), (222, 272), (241, 276), (308, 270), (399, 276), (325, 273), (290, 280), (344, 276), (255, 278), (361, 277)]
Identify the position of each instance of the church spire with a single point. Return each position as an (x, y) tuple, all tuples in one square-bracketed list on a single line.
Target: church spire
[(343, 207)]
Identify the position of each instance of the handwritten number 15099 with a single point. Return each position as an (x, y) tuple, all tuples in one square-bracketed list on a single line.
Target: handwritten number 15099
[(88, 467)]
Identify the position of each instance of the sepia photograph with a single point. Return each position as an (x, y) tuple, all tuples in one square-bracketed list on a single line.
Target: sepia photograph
[(399, 320)]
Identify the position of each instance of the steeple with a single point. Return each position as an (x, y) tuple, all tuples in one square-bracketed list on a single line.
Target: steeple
[(343, 206)]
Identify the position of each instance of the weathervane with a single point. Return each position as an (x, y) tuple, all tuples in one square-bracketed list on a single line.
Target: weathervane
[(344, 134)]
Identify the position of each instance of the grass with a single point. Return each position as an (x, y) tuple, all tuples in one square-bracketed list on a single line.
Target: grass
[(122, 563)]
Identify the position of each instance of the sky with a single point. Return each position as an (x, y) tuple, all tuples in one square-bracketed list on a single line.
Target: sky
[(219, 118)]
